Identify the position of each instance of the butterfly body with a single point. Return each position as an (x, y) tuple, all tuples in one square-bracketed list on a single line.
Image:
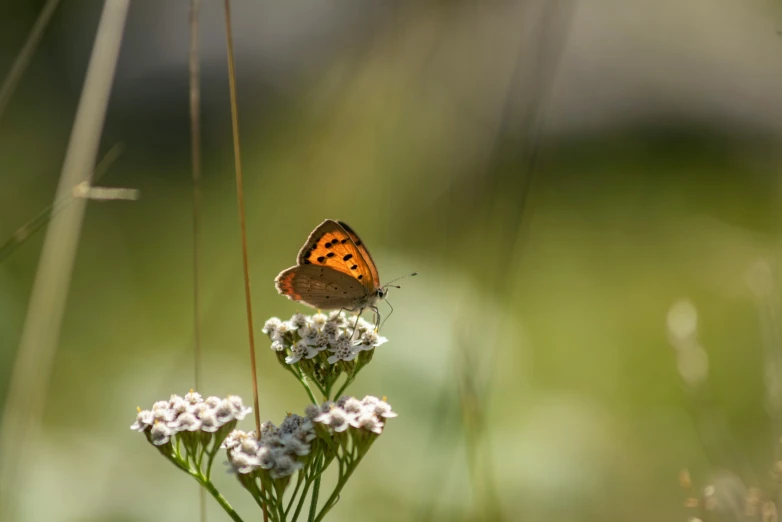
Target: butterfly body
[(334, 270)]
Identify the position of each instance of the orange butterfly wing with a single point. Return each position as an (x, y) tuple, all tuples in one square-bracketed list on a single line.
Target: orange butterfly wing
[(331, 245), (364, 252)]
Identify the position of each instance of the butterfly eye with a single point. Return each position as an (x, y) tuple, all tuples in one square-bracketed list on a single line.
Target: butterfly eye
[(381, 293)]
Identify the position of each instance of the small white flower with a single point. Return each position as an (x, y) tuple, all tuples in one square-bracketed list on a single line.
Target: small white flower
[(343, 351), (291, 423), (351, 405), (284, 467), (249, 445), (331, 329), (364, 325), (160, 433), (369, 340), (313, 410), (209, 421), (224, 412), (237, 405), (201, 409), (383, 409), (267, 429), (338, 318), (281, 331), (296, 446), (309, 335), (318, 320), (144, 420), (335, 418), (267, 456), (270, 328), (231, 408), (185, 422), (368, 422), (370, 400), (162, 412), (298, 320), (277, 346), (306, 432), (178, 405), (233, 439), (212, 401), (341, 343), (321, 341), (299, 350), (242, 462), (193, 397)]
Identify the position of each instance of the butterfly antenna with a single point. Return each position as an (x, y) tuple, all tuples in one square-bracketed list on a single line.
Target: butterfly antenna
[(398, 278)]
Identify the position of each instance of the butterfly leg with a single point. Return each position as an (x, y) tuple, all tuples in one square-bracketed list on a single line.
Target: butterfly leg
[(376, 313), (358, 316)]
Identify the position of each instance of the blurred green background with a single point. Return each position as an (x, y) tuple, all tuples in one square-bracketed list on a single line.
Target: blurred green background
[(559, 173)]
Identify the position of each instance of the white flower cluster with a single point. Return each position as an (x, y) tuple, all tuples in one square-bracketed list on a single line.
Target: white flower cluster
[(188, 414), (367, 414), (278, 451), (304, 337)]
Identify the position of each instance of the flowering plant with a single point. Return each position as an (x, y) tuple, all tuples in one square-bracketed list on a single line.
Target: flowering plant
[(190, 431)]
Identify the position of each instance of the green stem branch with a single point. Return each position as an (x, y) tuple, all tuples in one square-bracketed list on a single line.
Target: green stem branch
[(342, 481), (207, 484)]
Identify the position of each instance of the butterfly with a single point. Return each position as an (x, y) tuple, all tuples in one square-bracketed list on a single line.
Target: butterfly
[(334, 270)]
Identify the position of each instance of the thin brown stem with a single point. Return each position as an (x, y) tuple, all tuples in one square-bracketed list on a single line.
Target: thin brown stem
[(195, 144), (242, 224), (240, 199)]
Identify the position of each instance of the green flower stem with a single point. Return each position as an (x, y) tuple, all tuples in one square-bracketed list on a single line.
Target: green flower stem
[(301, 499), (211, 457), (309, 390), (316, 469), (299, 480), (343, 387), (333, 498), (314, 501), (303, 380), (352, 377), (207, 484), (175, 457), (280, 490), (256, 494)]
